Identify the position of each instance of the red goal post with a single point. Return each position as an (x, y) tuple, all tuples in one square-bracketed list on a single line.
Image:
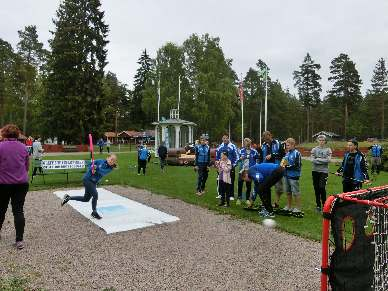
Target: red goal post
[(359, 236)]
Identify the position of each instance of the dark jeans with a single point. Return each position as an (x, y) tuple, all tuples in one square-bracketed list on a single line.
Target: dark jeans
[(319, 182), (90, 191), (163, 162), (224, 189), (203, 173), (232, 176), (37, 168), (17, 194), (141, 164), (240, 187), (264, 188), (350, 185)]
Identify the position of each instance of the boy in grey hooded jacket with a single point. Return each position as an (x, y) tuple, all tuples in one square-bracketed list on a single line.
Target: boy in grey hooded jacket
[(321, 156)]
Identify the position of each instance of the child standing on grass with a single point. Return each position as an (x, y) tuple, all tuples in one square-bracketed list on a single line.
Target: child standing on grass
[(143, 155), (91, 178), (224, 166), (293, 160)]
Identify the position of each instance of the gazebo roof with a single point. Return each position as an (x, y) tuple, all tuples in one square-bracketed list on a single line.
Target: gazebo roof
[(173, 122)]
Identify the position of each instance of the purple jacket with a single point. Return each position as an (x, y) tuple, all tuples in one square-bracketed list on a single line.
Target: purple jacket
[(14, 162)]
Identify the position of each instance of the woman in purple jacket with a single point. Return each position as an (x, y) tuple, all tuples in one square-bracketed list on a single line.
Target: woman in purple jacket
[(14, 165)]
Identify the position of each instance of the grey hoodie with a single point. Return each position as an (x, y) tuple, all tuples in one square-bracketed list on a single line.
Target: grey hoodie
[(321, 157)]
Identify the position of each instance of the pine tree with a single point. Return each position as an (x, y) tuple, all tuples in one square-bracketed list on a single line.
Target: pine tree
[(309, 88), (346, 86), (6, 68), (33, 56), (74, 101), (137, 114), (379, 84)]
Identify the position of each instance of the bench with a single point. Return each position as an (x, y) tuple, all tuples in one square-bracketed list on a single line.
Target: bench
[(61, 167), (70, 148)]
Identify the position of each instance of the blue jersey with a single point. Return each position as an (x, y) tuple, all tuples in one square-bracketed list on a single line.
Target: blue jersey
[(376, 151), (102, 169), (232, 151), (202, 155), (248, 160), (294, 164), (275, 149), (261, 171), (143, 154)]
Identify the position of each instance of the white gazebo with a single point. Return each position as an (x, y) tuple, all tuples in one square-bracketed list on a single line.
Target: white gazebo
[(174, 132)]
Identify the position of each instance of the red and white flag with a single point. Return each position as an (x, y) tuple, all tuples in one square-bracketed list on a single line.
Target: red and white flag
[(241, 92)]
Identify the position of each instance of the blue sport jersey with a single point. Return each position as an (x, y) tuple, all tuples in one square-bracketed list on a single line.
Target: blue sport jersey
[(202, 155), (143, 154), (376, 151), (259, 172), (232, 151), (294, 166), (275, 149), (102, 169), (253, 157)]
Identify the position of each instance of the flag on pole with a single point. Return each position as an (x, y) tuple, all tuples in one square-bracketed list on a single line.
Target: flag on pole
[(241, 92)]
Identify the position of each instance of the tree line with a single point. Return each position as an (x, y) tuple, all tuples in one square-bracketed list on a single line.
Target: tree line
[(66, 92)]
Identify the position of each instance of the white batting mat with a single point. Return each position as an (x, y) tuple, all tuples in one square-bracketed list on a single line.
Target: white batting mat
[(118, 213)]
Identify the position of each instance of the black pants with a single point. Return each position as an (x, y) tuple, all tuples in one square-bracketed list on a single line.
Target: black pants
[(319, 182), (240, 188), (232, 177), (264, 188), (90, 192), (141, 164), (224, 189), (162, 162), (203, 173), (17, 194), (100, 149), (350, 185)]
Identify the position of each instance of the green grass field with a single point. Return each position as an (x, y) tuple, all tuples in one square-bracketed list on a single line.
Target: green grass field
[(180, 182)]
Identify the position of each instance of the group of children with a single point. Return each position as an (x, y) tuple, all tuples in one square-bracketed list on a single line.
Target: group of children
[(267, 167), (279, 164)]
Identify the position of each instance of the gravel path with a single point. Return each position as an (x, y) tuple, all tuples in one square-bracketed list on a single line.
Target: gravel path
[(202, 251)]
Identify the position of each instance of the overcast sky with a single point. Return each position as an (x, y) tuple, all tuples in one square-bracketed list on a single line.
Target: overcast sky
[(280, 32)]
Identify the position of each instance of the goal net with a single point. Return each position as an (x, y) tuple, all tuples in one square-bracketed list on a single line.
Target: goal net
[(355, 251)]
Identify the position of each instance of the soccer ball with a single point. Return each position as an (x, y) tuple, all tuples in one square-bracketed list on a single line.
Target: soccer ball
[(268, 222)]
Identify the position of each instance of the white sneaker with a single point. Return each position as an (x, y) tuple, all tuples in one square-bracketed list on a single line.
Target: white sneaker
[(287, 209), (218, 196), (231, 198)]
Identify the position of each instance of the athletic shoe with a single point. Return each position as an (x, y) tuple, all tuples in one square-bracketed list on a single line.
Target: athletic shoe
[(231, 198), (238, 202), (19, 245), (265, 214), (138, 174), (96, 215), (218, 196), (297, 213), (66, 199)]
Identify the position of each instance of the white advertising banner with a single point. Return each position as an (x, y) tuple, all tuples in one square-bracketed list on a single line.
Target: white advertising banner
[(63, 164)]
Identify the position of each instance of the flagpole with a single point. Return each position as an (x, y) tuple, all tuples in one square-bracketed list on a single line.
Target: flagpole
[(159, 98), (242, 111), (261, 109), (266, 100), (179, 92)]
